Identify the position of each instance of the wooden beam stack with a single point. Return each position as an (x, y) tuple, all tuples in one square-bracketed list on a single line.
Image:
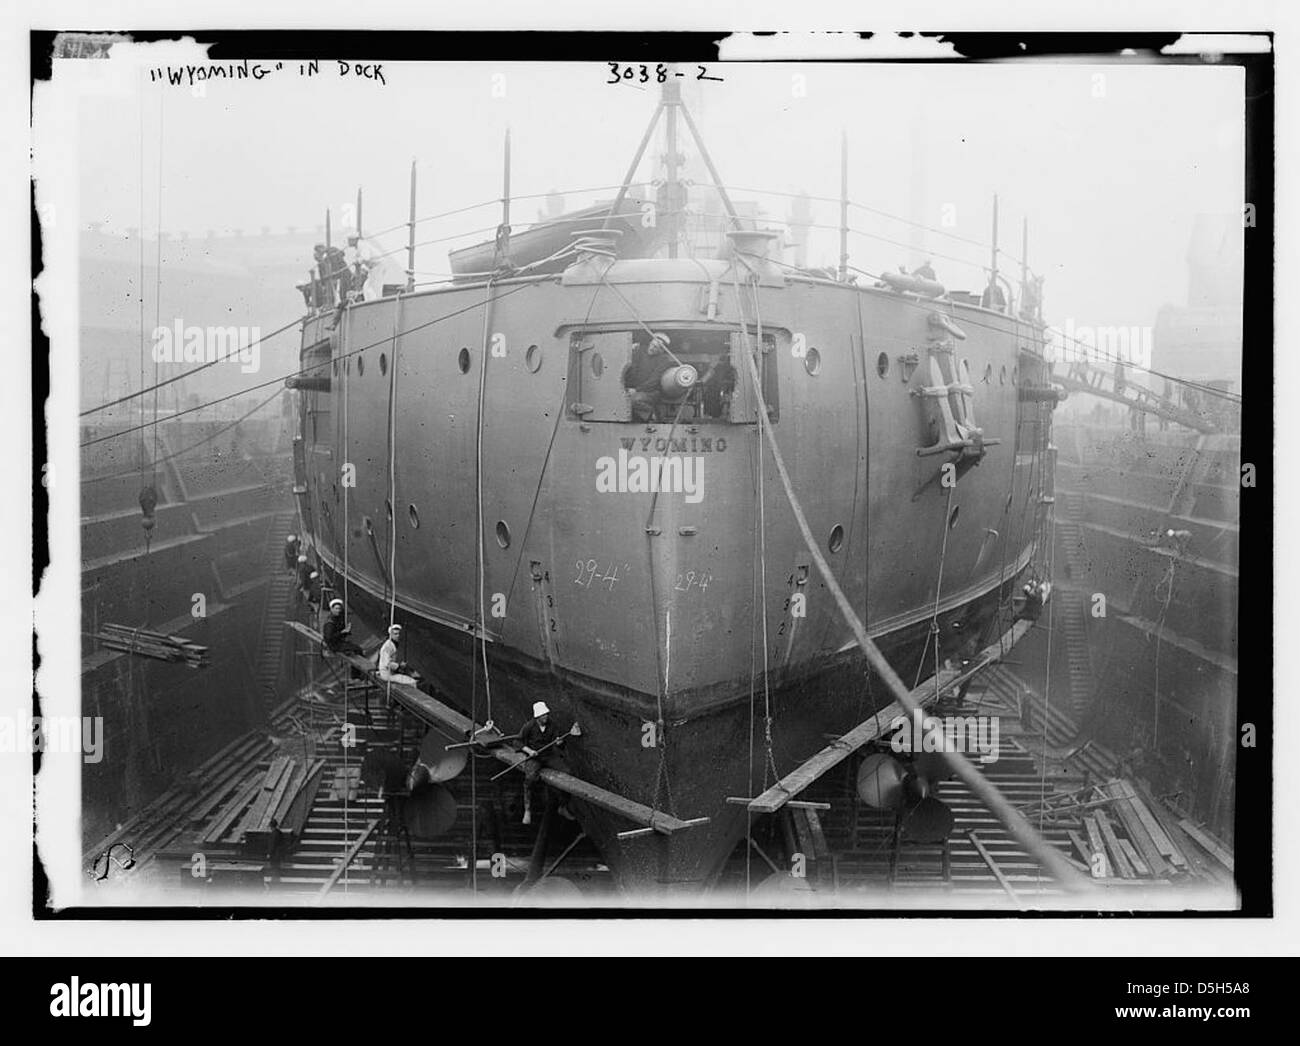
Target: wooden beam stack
[(153, 644)]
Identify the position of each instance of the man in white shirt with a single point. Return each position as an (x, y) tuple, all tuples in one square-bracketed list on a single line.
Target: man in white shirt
[(391, 668)]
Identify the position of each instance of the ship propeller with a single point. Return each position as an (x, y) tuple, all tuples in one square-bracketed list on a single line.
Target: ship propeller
[(430, 812), (911, 789), (440, 763)]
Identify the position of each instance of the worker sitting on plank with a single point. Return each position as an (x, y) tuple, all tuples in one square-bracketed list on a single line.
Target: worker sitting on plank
[(543, 743), (391, 668), (337, 631)]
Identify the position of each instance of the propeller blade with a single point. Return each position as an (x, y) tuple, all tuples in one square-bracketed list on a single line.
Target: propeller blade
[(880, 781), (430, 812), (929, 821), (443, 765)]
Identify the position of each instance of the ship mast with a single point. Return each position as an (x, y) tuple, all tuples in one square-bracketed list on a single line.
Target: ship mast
[(672, 197)]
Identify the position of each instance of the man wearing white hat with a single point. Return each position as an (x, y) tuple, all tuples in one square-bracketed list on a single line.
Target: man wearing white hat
[(391, 668), (337, 631), (542, 742)]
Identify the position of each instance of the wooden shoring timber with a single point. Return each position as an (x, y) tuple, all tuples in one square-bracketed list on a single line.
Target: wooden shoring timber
[(993, 867), (1118, 859), (435, 713), (842, 747), (1137, 834), (1206, 843), (347, 860)]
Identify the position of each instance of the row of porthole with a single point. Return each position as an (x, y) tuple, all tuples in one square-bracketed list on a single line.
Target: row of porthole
[(413, 514), (882, 368), (532, 360)]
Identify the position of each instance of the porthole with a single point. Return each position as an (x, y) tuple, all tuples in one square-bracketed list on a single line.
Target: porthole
[(369, 524), (812, 362), (336, 490), (965, 368), (836, 541), (533, 358), (597, 364), (463, 361), (988, 374), (882, 364), (383, 363), (952, 518), (414, 515), (1015, 375), (361, 366), (1002, 376), (503, 534), (388, 508)]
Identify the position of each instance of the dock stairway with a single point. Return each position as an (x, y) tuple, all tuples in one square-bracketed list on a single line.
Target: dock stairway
[(279, 593), (1072, 603)]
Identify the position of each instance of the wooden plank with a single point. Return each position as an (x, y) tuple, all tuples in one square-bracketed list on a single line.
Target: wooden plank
[(820, 846), (433, 711), (1084, 850), (1206, 843), (292, 783), (295, 817), (277, 796), (233, 809), (1117, 856), (1133, 827), (993, 867), (838, 750), (347, 859), (1158, 835), (1095, 840), (279, 765), (1139, 865)]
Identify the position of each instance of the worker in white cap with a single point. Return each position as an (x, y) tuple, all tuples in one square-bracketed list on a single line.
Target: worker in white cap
[(542, 742), (337, 631), (391, 668)]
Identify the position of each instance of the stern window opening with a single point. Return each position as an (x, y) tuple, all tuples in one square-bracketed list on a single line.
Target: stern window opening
[(628, 376)]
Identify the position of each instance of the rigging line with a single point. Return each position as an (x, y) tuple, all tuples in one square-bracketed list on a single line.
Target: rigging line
[(301, 371), (193, 446), (761, 413), (1047, 685), (541, 476), (637, 316), (972, 322), (140, 288), (980, 785), (492, 203), (481, 566), (145, 390), (157, 299), (938, 587), (762, 527), (753, 658)]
